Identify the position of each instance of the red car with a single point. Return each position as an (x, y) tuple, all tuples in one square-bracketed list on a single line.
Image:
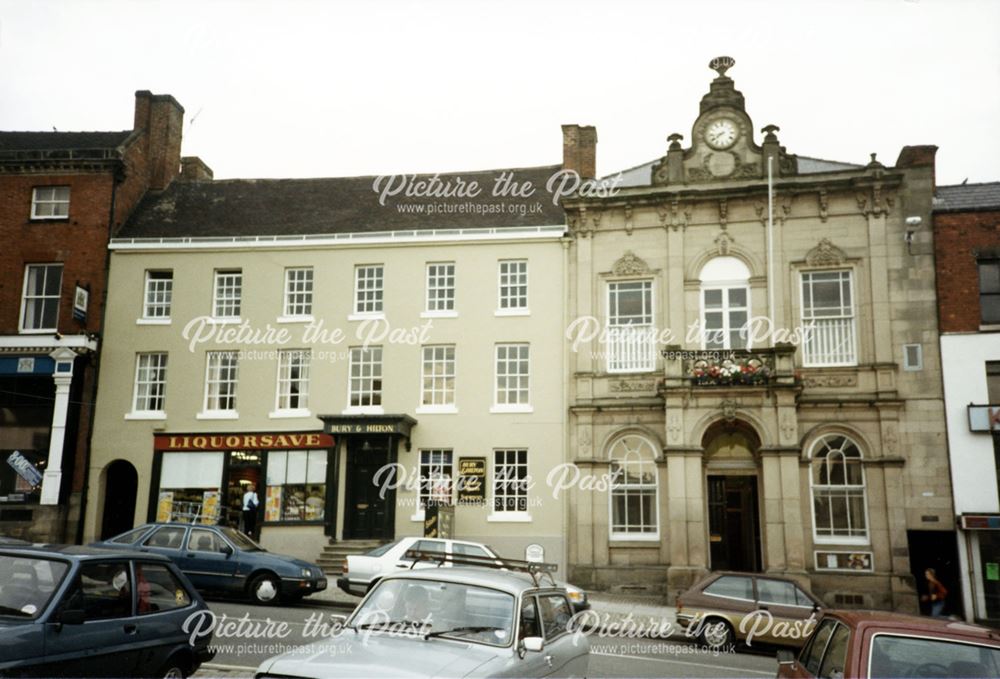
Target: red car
[(879, 645)]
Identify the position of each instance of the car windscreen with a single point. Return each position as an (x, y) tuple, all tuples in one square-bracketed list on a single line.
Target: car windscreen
[(27, 584), (381, 549), (240, 540), (131, 537), (899, 656), (440, 609)]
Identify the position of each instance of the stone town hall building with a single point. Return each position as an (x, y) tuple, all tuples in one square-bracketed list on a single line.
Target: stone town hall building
[(817, 453)]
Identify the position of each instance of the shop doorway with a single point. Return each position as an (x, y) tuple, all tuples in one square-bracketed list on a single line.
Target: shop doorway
[(733, 528), (121, 482), (366, 506), (937, 549), (244, 471)]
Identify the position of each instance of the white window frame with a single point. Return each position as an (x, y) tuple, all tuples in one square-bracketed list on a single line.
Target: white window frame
[(440, 468), (289, 360), (519, 406), (158, 380), (633, 444), (157, 299), (362, 357), (297, 301), (53, 200), (438, 281), (439, 398), (850, 319), (510, 515), (24, 297), (634, 340), (505, 284), (232, 300), (724, 273), (370, 301), (862, 488), (213, 367)]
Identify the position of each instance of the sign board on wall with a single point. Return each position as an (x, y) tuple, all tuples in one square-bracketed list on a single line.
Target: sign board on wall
[(23, 467), (471, 480), (264, 441), (81, 299)]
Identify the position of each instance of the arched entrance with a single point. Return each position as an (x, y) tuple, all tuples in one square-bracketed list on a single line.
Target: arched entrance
[(121, 482), (733, 509)]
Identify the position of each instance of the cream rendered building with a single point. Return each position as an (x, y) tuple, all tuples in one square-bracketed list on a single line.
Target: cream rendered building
[(200, 395), (817, 455)]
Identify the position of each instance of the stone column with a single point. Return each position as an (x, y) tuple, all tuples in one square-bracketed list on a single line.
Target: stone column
[(63, 377)]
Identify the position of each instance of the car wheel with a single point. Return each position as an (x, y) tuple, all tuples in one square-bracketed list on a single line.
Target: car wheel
[(716, 633), (174, 669), (266, 589)]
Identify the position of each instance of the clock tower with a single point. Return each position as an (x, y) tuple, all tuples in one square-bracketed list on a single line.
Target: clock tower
[(722, 146)]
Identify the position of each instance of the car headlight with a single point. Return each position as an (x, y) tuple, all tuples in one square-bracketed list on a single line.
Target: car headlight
[(577, 596), (306, 572)]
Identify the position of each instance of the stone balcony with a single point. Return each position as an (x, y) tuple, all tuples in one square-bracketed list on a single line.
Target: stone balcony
[(729, 369)]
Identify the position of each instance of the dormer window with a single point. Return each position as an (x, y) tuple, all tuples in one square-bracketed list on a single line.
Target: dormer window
[(50, 202)]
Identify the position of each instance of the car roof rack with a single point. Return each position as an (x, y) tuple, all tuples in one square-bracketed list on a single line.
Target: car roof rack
[(536, 569)]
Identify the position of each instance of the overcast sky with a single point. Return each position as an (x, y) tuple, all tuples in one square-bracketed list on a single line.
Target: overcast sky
[(305, 88)]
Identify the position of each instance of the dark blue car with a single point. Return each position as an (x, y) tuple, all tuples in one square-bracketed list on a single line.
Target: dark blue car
[(224, 560), (79, 611)]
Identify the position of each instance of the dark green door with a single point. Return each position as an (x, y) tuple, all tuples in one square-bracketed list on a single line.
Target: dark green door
[(733, 526), (367, 497)]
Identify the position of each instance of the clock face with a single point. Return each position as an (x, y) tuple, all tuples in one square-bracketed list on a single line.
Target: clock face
[(721, 134)]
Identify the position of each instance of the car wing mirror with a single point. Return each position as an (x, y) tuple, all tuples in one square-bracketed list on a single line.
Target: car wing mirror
[(785, 657), (226, 549), (72, 616), (533, 644)]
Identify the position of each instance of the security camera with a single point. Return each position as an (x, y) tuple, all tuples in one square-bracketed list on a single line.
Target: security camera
[(914, 222)]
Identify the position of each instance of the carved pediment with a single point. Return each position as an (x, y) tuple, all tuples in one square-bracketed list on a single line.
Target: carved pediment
[(826, 254), (631, 264)]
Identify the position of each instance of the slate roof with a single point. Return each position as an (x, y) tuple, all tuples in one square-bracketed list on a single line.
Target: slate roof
[(642, 175), (50, 141), (985, 196), (294, 207)]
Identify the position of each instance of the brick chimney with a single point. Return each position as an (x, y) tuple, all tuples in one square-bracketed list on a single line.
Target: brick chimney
[(918, 156), (580, 149), (161, 119), (194, 169)]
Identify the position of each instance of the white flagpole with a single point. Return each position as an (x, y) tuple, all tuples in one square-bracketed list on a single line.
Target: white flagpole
[(770, 242)]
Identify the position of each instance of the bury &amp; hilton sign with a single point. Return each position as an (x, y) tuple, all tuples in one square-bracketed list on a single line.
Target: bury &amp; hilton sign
[(276, 440)]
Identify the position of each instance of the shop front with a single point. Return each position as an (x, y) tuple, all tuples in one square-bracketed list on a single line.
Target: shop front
[(201, 478)]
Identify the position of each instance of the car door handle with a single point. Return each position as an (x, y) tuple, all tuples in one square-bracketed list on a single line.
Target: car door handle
[(762, 607), (190, 555), (548, 660), (130, 629)]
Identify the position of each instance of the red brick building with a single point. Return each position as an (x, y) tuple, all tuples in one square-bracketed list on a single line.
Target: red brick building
[(62, 196), (967, 261)]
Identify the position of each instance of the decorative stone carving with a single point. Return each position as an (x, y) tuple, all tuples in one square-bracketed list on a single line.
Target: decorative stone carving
[(824, 205), (827, 381), (676, 215), (628, 220), (723, 210), (874, 203), (585, 441), (630, 264), (722, 242), (674, 428), (890, 439), (825, 254), (788, 428), (728, 408), (623, 386)]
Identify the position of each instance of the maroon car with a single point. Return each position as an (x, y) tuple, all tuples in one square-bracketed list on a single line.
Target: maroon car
[(880, 645)]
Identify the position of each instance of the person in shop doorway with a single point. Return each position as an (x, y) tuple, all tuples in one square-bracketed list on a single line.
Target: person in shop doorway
[(250, 504), (936, 593)]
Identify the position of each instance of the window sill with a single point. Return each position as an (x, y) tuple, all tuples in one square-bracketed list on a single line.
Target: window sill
[(152, 321), (623, 540), (365, 410), (289, 414), (436, 410), (438, 314), (512, 312), (989, 327), (511, 409), (635, 371), (367, 316), (295, 319), (224, 321), (146, 415), (37, 331), (509, 517), (34, 219), (218, 415), (827, 541), (810, 366)]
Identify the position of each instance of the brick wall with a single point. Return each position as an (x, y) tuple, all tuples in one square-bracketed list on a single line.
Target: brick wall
[(957, 236)]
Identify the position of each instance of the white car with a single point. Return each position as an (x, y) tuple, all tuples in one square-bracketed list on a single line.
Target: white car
[(362, 571)]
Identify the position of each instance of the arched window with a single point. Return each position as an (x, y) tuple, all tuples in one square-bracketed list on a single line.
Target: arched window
[(838, 489), (634, 489), (725, 304)]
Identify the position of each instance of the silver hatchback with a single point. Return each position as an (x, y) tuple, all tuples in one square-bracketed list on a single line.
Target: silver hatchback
[(459, 622)]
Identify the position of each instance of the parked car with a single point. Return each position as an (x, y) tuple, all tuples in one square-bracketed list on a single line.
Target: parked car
[(362, 571), (781, 611), (223, 560), (79, 611), (456, 622), (880, 645)]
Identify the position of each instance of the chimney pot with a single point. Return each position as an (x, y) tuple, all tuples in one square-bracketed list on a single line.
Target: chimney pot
[(580, 150)]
